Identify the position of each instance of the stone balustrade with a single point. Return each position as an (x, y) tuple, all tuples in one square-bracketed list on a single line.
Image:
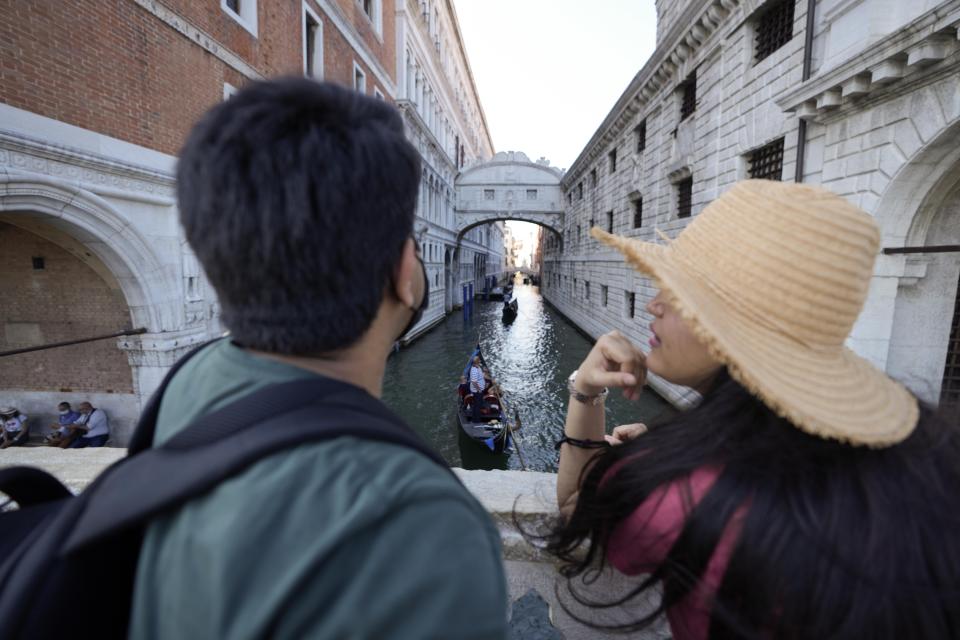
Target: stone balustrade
[(511, 498)]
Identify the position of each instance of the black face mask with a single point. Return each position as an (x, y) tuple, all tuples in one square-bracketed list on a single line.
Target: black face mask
[(424, 302)]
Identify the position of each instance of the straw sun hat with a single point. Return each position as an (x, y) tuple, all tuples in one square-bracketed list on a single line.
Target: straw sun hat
[(771, 277)]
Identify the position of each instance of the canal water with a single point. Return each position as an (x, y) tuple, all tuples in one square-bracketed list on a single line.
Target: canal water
[(531, 360)]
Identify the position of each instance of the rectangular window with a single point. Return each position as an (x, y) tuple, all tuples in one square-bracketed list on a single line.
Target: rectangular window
[(641, 133), (773, 27), (638, 213), (603, 295), (372, 9), (313, 46), (359, 79), (950, 389), (39, 264), (684, 197), (766, 163), (244, 12), (580, 191), (688, 96), (630, 299), (531, 194), (489, 194), (609, 221), (570, 198), (612, 156), (578, 234), (593, 178), (586, 291)]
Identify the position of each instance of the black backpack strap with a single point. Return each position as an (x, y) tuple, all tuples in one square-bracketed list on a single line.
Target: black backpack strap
[(28, 486), (142, 438), (229, 440)]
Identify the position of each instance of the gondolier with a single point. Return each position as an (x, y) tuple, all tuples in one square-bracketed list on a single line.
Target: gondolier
[(477, 386)]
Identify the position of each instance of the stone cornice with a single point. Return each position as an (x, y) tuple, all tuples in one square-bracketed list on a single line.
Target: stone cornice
[(687, 36), (96, 173), (436, 63), (928, 40)]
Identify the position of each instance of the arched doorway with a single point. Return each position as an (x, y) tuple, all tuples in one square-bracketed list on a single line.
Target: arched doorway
[(114, 270), (920, 218)]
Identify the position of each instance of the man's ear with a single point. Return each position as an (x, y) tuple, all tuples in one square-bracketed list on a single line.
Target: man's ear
[(404, 283)]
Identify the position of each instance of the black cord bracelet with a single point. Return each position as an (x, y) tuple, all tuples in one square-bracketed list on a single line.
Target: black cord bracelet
[(583, 444)]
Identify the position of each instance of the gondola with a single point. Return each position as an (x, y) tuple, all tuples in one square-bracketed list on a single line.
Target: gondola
[(493, 429), (510, 310)]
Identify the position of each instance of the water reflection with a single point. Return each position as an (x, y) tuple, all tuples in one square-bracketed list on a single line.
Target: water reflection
[(531, 358)]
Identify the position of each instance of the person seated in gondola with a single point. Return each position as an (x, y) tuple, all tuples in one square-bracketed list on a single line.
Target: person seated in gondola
[(463, 389)]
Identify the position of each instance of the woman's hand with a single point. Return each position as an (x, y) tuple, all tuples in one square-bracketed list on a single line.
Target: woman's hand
[(613, 362), (625, 433)]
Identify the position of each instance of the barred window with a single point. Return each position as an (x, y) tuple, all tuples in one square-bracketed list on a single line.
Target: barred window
[(684, 197), (631, 301), (609, 221), (613, 161), (579, 191), (638, 213), (641, 132), (489, 194), (688, 93), (603, 294), (950, 390), (774, 27), (593, 178), (531, 194), (767, 161)]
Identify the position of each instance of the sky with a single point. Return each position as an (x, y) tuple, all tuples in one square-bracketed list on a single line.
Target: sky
[(549, 71)]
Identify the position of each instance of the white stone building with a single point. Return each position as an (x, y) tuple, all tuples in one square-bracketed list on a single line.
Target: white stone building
[(445, 121), (861, 96)]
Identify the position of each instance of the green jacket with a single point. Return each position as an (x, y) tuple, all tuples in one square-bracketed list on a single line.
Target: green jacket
[(346, 538)]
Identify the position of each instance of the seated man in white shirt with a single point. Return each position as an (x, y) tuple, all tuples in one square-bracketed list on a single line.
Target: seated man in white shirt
[(15, 429), (92, 428)]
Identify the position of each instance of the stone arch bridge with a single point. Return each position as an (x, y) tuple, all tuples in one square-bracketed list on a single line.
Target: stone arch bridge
[(509, 187)]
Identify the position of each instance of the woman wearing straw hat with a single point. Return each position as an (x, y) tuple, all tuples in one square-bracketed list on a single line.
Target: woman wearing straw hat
[(807, 495)]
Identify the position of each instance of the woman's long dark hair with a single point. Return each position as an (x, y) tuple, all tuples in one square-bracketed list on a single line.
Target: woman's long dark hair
[(837, 542)]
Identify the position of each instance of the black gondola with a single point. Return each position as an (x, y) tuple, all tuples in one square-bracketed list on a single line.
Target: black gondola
[(510, 310), (493, 428)]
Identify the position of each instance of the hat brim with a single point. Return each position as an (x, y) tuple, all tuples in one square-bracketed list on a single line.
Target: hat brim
[(831, 393)]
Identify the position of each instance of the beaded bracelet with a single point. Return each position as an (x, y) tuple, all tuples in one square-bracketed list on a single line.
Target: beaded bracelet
[(582, 444)]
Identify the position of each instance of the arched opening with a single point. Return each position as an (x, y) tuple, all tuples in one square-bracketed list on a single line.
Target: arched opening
[(103, 276), (920, 218)]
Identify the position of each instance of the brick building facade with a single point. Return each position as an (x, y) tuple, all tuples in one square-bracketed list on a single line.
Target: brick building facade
[(861, 96), (94, 104)]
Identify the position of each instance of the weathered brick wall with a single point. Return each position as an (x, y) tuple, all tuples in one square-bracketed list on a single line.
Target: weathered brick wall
[(66, 300), (116, 69)]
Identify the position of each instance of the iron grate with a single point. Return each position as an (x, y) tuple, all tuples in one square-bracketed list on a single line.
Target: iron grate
[(767, 162), (774, 28)]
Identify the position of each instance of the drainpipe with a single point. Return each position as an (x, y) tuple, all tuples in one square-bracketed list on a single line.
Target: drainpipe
[(807, 63)]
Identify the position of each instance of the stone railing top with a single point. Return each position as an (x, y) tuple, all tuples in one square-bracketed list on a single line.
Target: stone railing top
[(528, 497)]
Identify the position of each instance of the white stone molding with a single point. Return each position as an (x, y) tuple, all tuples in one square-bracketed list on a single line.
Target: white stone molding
[(96, 173), (922, 44), (181, 25), (150, 292)]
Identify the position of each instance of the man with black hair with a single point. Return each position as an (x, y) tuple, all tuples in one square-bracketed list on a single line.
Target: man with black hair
[(298, 199)]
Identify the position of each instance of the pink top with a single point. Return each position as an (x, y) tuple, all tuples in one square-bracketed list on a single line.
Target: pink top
[(642, 541)]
